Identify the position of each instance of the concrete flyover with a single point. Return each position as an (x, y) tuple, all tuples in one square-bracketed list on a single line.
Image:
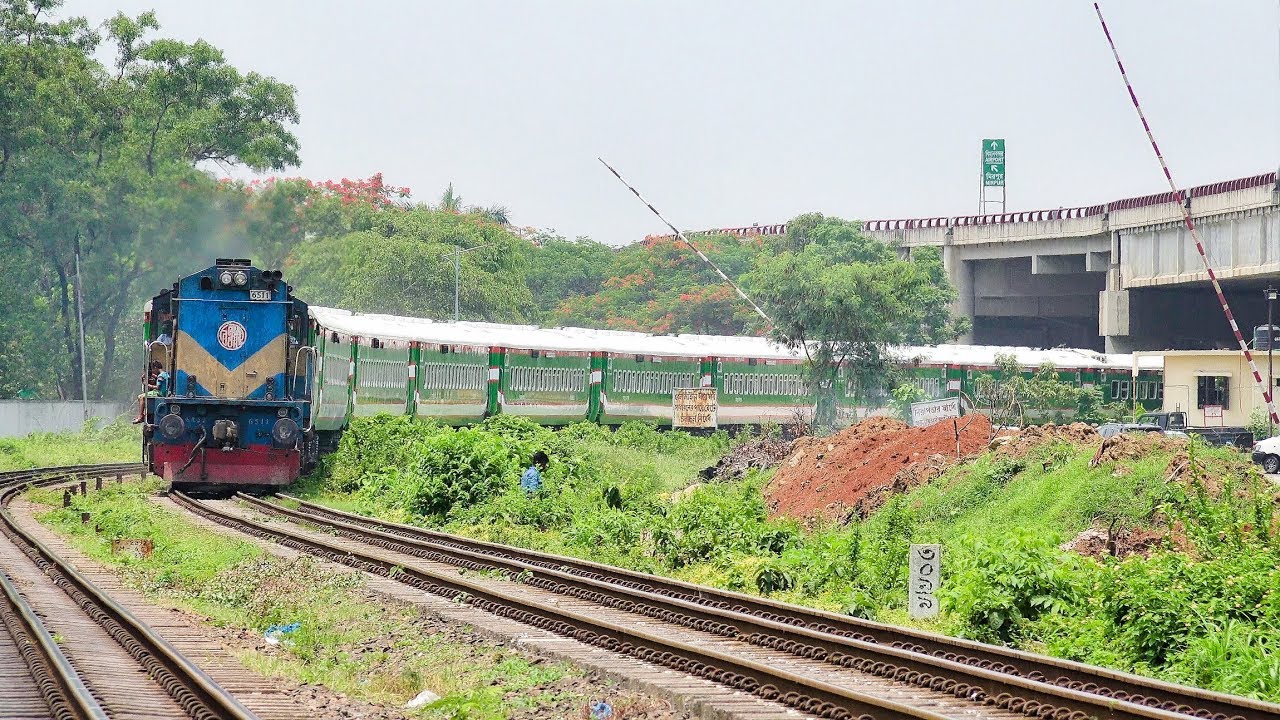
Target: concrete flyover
[(1119, 276)]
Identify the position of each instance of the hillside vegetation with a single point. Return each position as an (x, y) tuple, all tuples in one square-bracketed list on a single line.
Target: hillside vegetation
[(1198, 603)]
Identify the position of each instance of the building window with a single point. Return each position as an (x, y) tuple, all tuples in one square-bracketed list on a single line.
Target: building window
[(1213, 390)]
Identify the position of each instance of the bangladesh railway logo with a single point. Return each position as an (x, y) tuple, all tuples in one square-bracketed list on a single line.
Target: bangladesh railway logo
[(231, 335)]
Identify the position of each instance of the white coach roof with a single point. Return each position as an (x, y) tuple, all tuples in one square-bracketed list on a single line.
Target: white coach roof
[(394, 327)]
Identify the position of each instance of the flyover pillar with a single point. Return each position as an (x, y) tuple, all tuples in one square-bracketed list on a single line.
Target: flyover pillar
[(960, 273), (1113, 306)]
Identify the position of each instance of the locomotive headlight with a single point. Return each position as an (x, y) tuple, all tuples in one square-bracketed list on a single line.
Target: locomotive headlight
[(172, 427), (226, 277), (241, 278), (285, 432)]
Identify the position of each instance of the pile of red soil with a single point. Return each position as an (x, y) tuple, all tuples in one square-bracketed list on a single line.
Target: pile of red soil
[(855, 471)]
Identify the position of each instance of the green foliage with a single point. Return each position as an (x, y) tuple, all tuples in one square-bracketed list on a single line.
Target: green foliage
[(1014, 397), (423, 468), (403, 265), (1208, 613), (660, 285), (100, 160), (995, 589), (845, 298), (1259, 424), (903, 396)]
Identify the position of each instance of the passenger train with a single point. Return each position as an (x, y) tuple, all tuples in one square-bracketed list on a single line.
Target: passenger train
[(261, 381)]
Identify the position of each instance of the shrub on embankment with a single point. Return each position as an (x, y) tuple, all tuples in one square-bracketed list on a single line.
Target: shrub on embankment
[(1191, 594)]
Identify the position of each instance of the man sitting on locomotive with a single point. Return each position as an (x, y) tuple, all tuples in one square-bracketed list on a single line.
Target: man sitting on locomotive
[(155, 384)]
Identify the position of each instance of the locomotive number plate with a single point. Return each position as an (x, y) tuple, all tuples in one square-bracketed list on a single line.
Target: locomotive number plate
[(259, 294)]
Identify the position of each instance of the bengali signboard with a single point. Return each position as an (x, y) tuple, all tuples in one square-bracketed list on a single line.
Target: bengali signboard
[(694, 407), (925, 563), (993, 162), (924, 414)]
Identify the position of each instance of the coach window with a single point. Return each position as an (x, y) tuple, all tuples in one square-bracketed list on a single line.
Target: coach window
[(1213, 390)]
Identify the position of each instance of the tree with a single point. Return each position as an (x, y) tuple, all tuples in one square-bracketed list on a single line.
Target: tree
[(844, 299), (101, 163), (1015, 397), (660, 285), (402, 265), (450, 201), (558, 269)]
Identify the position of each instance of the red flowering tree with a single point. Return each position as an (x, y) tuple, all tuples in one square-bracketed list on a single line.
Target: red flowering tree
[(270, 216), (659, 285)]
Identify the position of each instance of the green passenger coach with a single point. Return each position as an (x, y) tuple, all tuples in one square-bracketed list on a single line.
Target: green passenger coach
[(460, 373)]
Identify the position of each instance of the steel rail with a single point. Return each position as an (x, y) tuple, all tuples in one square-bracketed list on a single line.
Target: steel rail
[(1009, 691), (797, 691), (61, 687), (1111, 684), (197, 693)]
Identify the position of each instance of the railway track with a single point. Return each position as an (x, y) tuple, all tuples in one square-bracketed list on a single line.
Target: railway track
[(115, 665), (823, 664), (1111, 684)]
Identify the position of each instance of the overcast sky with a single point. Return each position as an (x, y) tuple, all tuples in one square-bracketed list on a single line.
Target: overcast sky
[(727, 113)]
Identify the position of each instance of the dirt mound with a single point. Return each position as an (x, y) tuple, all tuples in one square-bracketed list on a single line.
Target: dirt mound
[(1132, 446), (1019, 443), (857, 469), (760, 454), (1098, 542)]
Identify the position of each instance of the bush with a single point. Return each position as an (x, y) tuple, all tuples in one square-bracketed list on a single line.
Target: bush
[(994, 589)]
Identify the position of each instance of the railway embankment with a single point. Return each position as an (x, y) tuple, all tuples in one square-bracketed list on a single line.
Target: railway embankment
[(350, 649), (1140, 554), (1145, 555)]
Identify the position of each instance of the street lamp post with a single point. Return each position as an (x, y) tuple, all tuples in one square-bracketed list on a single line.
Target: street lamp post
[(1271, 344), (457, 273)]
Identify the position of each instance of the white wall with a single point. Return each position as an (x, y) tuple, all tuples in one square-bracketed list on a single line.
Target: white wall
[(22, 417)]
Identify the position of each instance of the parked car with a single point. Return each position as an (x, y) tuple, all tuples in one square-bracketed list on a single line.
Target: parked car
[(1267, 454), (1107, 430), (1236, 437)]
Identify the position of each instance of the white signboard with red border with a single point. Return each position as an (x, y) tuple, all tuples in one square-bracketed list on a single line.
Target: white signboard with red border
[(924, 414)]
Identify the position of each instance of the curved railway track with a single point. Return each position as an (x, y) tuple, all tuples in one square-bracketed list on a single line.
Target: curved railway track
[(1108, 683), (820, 663), (180, 688)]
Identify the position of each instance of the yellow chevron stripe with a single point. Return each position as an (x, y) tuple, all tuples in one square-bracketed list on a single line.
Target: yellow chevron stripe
[(235, 382)]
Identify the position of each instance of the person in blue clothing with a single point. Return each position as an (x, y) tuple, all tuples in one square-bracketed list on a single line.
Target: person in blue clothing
[(531, 480), (155, 384)]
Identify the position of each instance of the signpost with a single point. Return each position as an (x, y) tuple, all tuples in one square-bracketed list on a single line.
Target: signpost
[(992, 173), (993, 163), (929, 412), (694, 407), (1212, 412), (925, 563)]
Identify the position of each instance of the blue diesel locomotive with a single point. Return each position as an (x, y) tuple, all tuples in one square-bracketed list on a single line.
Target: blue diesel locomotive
[(228, 398)]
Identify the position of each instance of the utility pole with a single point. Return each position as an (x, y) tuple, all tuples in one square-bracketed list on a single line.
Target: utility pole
[(1271, 345), (84, 372), (457, 274)]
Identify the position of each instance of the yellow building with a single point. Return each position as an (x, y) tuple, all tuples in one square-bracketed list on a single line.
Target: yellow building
[(1214, 387)]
